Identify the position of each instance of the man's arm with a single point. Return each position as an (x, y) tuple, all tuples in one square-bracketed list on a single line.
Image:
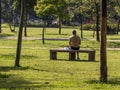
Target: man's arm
[(79, 41), (70, 41)]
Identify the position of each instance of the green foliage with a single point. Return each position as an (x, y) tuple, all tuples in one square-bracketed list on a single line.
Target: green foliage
[(113, 10), (89, 27), (44, 10), (29, 4), (52, 7), (117, 10)]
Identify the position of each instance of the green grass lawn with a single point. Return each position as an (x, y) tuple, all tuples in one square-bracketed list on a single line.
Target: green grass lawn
[(38, 72)]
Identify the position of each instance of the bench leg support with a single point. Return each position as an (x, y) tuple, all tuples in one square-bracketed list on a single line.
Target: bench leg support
[(91, 56), (72, 56), (53, 55)]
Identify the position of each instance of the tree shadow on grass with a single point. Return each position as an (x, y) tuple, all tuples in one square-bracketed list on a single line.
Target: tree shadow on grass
[(5, 35), (17, 82), (12, 56), (8, 68), (112, 81)]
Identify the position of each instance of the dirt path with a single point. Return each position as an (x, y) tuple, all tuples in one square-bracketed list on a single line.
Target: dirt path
[(35, 38)]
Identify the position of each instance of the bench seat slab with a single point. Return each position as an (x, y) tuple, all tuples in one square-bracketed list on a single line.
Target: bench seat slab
[(72, 54)]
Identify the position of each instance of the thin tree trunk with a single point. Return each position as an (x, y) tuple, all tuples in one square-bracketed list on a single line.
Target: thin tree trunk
[(43, 33), (12, 30), (103, 54), (118, 26), (97, 22), (19, 43), (59, 25), (25, 27), (0, 17), (81, 28)]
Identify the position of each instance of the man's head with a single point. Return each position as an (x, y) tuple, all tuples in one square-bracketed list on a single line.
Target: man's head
[(74, 32)]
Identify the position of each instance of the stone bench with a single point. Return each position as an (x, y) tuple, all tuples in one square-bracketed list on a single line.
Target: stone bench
[(72, 54)]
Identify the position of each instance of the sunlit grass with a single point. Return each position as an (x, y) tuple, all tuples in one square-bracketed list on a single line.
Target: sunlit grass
[(53, 33), (38, 72)]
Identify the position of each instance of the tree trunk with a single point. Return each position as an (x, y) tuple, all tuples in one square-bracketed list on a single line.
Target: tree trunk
[(25, 27), (0, 17), (118, 26), (43, 33), (81, 28), (97, 22), (19, 43), (59, 25), (12, 30), (103, 54)]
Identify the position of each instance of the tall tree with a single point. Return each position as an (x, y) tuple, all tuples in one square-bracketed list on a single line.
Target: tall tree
[(44, 10), (85, 10), (61, 11), (77, 7), (29, 7), (19, 43), (57, 8), (8, 14), (103, 54)]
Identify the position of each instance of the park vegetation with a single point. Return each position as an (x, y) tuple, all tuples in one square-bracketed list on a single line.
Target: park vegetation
[(37, 71), (67, 15)]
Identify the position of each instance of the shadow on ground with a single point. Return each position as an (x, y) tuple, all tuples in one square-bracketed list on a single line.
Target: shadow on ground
[(112, 81), (12, 56), (8, 68), (17, 82), (6, 35), (77, 60)]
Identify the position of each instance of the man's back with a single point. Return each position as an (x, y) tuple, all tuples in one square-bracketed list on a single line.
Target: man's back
[(74, 41)]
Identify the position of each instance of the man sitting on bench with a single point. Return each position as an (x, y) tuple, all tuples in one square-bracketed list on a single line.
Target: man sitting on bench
[(74, 42)]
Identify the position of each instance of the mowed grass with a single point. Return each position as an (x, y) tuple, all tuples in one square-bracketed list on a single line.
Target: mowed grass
[(49, 32), (38, 72)]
